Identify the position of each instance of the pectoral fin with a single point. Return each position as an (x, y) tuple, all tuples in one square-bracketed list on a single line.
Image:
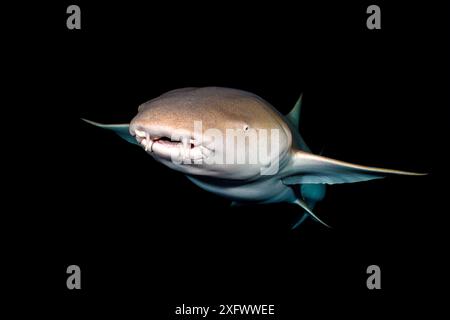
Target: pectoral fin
[(306, 168), (121, 129)]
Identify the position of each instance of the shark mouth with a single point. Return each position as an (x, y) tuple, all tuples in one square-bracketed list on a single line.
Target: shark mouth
[(184, 147)]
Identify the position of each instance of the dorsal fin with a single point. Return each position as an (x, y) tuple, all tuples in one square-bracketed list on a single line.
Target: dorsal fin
[(294, 115)]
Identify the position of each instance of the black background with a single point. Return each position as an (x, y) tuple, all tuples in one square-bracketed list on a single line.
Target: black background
[(147, 240)]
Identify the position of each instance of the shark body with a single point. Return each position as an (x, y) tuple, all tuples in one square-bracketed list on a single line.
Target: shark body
[(165, 126)]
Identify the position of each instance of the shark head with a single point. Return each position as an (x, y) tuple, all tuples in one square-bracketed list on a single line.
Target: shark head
[(217, 132)]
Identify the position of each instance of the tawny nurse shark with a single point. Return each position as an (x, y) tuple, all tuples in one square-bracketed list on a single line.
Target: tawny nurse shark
[(189, 130)]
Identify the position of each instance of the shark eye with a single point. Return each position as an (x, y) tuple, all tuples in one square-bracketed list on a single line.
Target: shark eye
[(246, 128)]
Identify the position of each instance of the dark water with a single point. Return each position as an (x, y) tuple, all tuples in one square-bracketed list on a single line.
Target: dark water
[(147, 240)]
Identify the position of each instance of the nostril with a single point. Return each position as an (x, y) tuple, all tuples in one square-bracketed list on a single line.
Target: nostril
[(139, 133)]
